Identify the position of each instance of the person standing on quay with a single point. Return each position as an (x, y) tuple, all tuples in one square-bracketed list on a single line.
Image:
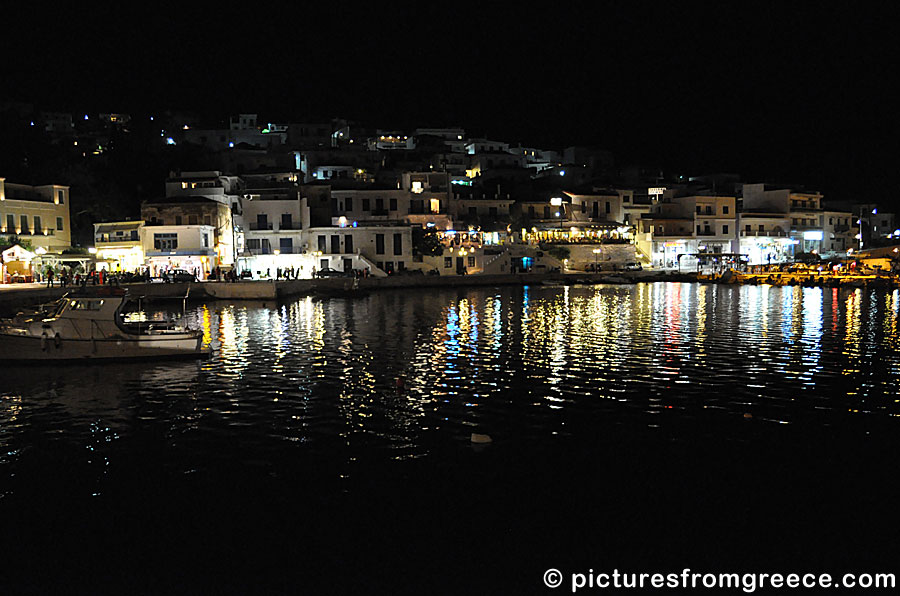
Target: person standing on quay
[(49, 278)]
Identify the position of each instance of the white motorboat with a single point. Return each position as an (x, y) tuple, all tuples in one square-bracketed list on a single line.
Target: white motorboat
[(87, 326)]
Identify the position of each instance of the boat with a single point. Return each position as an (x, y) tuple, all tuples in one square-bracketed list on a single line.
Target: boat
[(90, 326)]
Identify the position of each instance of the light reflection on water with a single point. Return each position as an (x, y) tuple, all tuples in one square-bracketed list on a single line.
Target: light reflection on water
[(406, 374)]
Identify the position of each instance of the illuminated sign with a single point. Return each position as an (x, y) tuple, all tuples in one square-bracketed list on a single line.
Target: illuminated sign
[(556, 201), (656, 191), (813, 235)]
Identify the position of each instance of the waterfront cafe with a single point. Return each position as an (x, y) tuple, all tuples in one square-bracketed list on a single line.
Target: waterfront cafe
[(16, 264), (578, 232)]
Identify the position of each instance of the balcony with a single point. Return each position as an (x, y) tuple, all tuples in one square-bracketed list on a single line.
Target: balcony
[(293, 225), (256, 226), (772, 233)]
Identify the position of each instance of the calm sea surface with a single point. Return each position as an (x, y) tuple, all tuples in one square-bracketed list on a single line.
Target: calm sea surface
[(326, 443)]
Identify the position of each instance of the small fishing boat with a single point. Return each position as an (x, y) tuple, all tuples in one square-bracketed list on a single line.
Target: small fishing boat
[(89, 326)]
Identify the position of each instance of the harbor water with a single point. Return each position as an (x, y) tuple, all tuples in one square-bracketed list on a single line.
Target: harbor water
[(325, 446)]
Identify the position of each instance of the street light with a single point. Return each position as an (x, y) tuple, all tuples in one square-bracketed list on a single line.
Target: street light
[(596, 252)]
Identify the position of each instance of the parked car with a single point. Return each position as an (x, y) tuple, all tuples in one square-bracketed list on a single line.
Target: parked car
[(179, 276), (409, 272), (246, 274), (328, 272), (633, 267)]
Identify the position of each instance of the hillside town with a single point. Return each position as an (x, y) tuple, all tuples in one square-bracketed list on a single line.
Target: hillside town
[(316, 199)]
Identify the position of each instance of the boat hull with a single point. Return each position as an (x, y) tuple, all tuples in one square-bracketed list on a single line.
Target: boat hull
[(38, 349)]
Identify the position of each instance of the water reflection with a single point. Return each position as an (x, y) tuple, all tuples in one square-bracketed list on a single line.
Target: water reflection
[(407, 373)]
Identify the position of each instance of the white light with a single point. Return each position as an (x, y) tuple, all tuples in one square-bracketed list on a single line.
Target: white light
[(231, 143), (562, 172), (875, 211), (170, 141), (556, 201), (813, 235), (92, 250), (85, 117)]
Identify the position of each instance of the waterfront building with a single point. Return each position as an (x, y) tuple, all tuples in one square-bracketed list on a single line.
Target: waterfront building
[(188, 247), (803, 210), (119, 245), (38, 214), (839, 233), (193, 211)]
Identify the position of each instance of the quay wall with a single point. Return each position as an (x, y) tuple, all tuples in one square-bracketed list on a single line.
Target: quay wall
[(14, 299)]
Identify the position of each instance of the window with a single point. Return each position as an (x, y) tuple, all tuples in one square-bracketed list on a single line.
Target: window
[(348, 204), (531, 211), (724, 230), (134, 234), (59, 223), (335, 244), (398, 244), (393, 204), (762, 228), (348, 244), (192, 220), (286, 221), (61, 197), (608, 209), (401, 265), (23, 221), (709, 210), (584, 206), (321, 243), (10, 223), (448, 262), (365, 205), (546, 212), (165, 241), (379, 204), (747, 228), (286, 245), (177, 220), (698, 208), (205, 238), (252, 243), (379, 244), (38, 228), (724, 209), (471, 261)]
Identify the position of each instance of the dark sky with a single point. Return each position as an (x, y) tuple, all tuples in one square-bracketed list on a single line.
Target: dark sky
[(798, 95)]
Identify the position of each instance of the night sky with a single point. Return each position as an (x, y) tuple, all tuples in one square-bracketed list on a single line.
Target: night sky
[(776, 93)]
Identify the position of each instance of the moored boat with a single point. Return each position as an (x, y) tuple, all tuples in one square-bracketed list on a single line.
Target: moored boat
[(88, 326)]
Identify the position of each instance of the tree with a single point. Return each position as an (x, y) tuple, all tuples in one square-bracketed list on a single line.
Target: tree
[(560, 253), (426, 242), (14, 239)]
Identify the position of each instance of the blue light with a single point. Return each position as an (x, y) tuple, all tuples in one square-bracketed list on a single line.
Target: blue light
[(170, 141), (354, 224), (562, 172), (231, 144), (85, 117)]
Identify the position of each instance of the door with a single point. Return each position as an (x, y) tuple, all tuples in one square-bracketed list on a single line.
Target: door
[(348, 265), (460, 265)]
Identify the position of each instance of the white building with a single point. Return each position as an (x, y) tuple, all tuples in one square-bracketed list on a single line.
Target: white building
[(187, 247)]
